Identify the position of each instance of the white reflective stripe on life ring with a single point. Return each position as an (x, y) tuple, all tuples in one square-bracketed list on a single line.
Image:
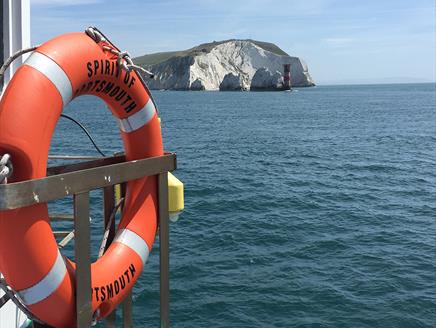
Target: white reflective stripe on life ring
[(54, 73), (139, 119), (47, 285), (133, 241)]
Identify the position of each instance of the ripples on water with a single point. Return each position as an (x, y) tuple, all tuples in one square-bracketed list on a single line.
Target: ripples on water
[(310, 208)]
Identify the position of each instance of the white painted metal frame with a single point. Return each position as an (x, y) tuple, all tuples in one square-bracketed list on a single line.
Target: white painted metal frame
[(16, 32), (16, 36)]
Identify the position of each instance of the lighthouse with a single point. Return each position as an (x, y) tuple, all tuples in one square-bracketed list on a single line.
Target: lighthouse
[(286, 76)]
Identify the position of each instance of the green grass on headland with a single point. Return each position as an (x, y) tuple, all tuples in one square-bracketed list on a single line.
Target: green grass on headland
[(159, 57)]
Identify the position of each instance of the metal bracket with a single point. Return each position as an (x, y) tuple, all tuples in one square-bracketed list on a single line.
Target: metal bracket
[(78, 179)]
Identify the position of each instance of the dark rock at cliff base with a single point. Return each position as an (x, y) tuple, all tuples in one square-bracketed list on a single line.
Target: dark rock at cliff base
[(197, 85), (264, 80), (232, 82)]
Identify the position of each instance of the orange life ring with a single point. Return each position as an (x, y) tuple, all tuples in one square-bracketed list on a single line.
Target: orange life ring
[(58, 71)]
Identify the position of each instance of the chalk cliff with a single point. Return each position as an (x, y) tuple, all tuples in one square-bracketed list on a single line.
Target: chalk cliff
[(206, 66)]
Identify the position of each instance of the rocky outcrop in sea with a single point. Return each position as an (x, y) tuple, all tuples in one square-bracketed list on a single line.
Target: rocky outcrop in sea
[(226, 65), (232, 82), (264, 80)]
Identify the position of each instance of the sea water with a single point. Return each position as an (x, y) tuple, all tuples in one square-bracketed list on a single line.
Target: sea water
[(312, 208)]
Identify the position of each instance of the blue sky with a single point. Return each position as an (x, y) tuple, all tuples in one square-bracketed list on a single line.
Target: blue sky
[(341, 41)]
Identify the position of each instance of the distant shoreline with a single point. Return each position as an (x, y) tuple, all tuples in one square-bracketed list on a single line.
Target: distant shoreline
[(300, 88), (369, 83)]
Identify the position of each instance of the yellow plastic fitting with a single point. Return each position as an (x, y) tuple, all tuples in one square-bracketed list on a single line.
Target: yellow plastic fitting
[(176, 200)]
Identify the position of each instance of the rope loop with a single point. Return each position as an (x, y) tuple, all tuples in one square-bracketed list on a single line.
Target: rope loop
[(95, 34), (10, 60), (6, 168), (124, 60)]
